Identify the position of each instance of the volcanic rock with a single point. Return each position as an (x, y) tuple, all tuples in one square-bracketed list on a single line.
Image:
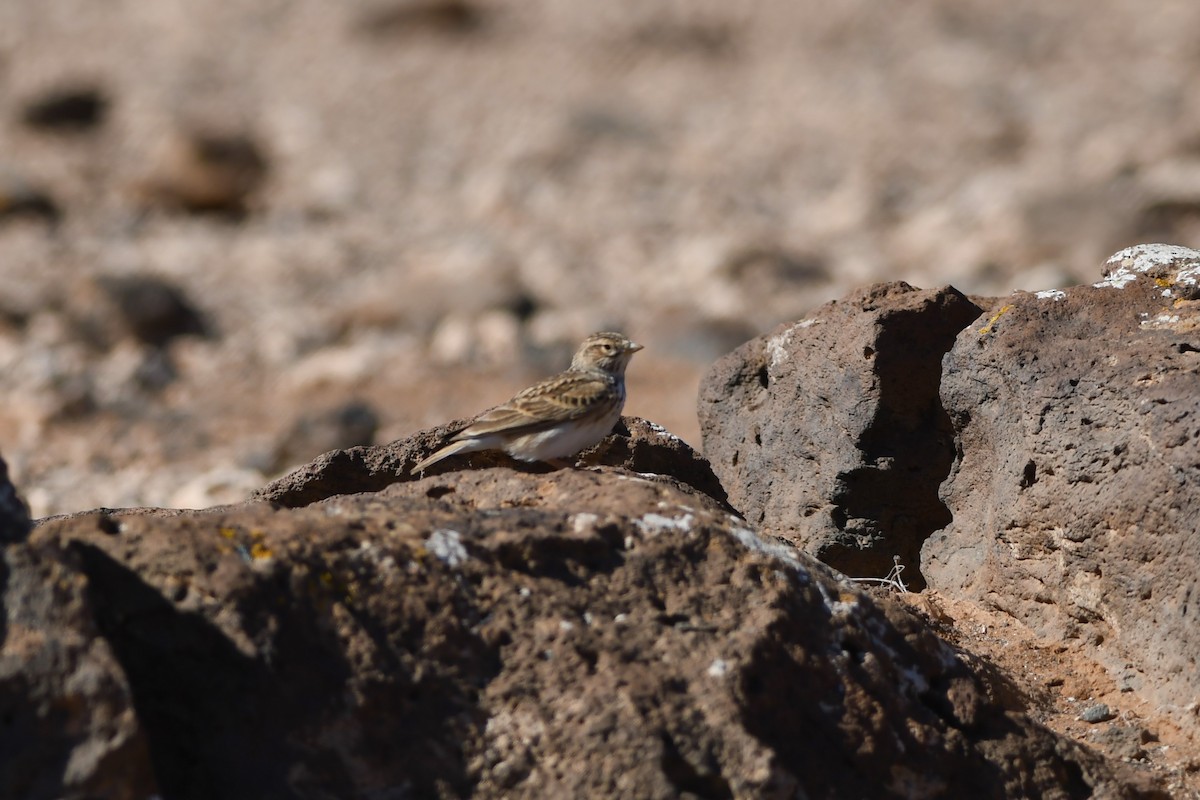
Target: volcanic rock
[(68, 725), (828, 432), (1075, 488), (635, 444), (491, 633)]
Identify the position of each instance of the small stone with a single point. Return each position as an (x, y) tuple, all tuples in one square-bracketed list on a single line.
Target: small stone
[(1097, 713), (438, 17), (152, 309), (204, 171), (66, 109), (19, 198)]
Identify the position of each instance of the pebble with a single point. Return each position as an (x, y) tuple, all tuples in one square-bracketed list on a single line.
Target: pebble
[(1097, 713)]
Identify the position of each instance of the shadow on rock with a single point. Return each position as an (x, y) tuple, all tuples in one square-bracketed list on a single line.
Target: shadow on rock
[(829, 432)]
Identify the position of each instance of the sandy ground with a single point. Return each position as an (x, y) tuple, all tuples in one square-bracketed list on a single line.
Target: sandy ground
[(1060, 686)]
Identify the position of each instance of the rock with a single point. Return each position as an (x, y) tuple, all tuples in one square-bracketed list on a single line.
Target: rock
[(149, 309), (69, 108), (1097, 713), (635, 444), (494, 633), (14, 514), (21, 199), (69, 722), (351, 424), (205, 171), (1124, 741), (828, 432), (450, 18), (1075, 488)]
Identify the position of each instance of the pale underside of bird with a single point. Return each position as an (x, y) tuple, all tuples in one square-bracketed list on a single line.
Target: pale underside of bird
[(559, 416)]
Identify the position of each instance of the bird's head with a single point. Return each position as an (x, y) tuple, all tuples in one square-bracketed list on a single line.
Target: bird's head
[(607, 351)]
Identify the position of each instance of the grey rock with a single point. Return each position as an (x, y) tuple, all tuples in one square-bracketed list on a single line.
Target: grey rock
[(829, 432), (473, 632), (1075, 487), (1097, 713)]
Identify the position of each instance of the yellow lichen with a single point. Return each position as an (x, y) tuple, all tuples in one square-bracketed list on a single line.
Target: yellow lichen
[(984, 331), (227, 532), (260, 550)]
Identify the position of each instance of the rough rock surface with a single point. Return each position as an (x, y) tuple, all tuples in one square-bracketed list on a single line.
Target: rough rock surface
[(1076, 486), (501, 634), (829, 432), (68, 728), (635, 444), (14, 516)]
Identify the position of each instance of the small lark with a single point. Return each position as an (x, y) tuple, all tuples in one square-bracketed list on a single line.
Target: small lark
[(559, 416)]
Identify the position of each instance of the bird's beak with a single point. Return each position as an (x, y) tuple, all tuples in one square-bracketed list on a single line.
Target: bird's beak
[(633, 347)]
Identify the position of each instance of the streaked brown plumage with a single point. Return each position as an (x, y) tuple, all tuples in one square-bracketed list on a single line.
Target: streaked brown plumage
[(556, 417)]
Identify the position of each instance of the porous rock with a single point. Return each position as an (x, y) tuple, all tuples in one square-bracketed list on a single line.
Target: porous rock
[(828, 431), (491, 633), (1075, 488), (635, 444), (68, 724)]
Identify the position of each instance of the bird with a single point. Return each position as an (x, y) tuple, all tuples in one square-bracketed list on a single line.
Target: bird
[(558, 416)]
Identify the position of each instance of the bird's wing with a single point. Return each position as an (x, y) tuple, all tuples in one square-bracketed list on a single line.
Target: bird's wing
[(562, 398)]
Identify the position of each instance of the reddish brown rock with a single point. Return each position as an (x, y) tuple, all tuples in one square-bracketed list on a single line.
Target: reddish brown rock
[(492, 633), (206, 170), (1076, 485), (635, 444), (68, 725), (828, 432)]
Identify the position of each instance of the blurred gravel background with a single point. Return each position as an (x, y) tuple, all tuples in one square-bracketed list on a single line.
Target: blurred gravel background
[(236, 234)]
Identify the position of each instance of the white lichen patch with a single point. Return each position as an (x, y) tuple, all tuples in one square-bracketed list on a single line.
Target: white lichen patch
[(777, 345), (1131, 263), (718, 668), (653, 524), (446, 545), (583, 522), (1051, 294), (752, 541), (661, 431), (1161, 321)]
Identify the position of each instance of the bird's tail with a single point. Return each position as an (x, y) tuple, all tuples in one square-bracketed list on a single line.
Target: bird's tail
[(463, 446)]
